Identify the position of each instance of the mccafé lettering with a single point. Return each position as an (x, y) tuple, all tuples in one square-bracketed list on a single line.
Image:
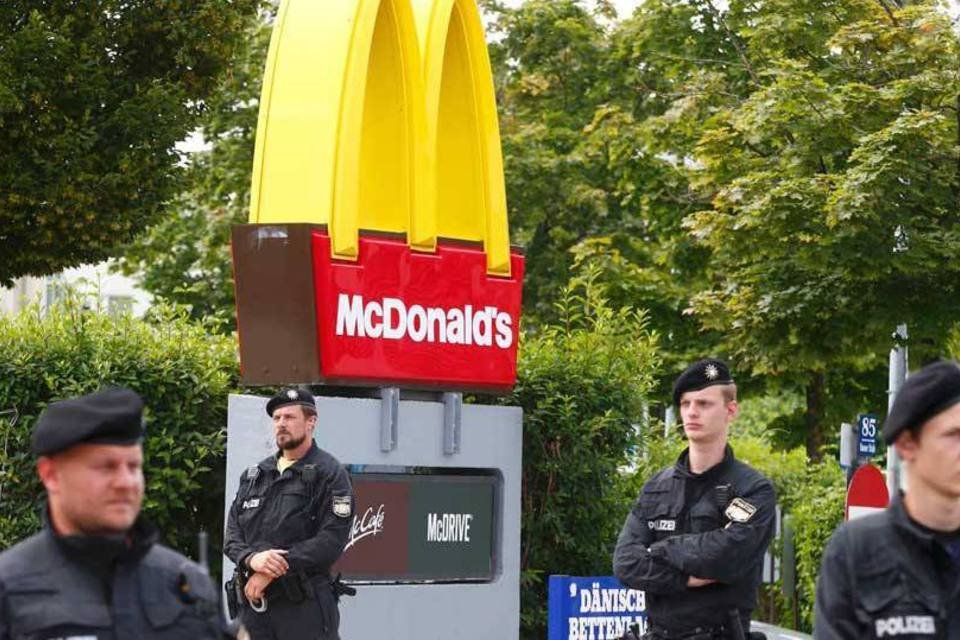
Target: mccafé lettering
[(369, 524), (391, 319), (448, 527)]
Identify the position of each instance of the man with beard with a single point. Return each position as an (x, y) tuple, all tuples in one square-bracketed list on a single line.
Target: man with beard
[(695, 539), (897, 573), (95, 571), (287, 526)]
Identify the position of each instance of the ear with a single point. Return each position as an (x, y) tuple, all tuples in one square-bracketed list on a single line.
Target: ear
[(906, 446), (49, 474), (733, 409)]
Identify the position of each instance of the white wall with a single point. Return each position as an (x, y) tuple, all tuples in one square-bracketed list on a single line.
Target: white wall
[(95, 281)]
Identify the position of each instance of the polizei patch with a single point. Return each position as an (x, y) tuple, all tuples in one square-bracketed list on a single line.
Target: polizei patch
[(739, 510), (662, 525), (342, 507), (904, 625), (251, 504)]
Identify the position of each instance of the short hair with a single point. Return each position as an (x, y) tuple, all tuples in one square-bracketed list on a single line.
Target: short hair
[(729, 392), (308, 412)]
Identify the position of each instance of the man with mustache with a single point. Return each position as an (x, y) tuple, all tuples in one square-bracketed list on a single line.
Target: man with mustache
[(287, 526), (95, 571), (695, 539)]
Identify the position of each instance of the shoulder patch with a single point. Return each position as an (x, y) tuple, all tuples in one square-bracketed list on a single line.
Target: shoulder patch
[(342, 506), (739, 510), (253, 472)]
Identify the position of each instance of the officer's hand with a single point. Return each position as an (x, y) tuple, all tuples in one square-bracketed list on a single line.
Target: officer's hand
[(256, 585), (270, 562), (694, 581)]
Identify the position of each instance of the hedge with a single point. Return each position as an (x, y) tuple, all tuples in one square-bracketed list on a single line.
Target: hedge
[(184, 374)]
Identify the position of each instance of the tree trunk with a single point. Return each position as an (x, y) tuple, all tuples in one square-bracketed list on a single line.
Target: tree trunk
[(813, 418)]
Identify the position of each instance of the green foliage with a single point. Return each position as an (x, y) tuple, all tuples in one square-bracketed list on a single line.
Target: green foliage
[(184, 376), (581, 384), (833, 190), (185, 257), (94, 95), (816, 513)]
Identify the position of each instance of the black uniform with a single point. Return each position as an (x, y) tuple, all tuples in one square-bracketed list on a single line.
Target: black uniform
[(714, 525), (307, 511), (886, 576), (55, 588)]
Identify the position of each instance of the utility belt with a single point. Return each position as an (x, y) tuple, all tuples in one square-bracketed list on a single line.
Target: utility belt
[(295, 587), (730, 630), (699, 633)]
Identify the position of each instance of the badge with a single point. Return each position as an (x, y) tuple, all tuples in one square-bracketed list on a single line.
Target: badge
[(739, 510), (712, 372), (342, 507), (251, 504), (292, 394)]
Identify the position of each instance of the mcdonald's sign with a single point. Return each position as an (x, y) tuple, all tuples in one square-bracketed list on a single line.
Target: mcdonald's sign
[(377, 250)]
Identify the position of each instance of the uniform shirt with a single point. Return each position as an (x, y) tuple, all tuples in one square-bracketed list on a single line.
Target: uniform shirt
[(309, 517), (714, 525), (307, 510), (886, 576), (53, 587)]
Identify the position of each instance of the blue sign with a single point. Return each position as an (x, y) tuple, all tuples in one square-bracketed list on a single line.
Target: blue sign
[(866, 435), (598, 608)]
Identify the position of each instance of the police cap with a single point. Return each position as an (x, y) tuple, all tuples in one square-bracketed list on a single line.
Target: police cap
[(926, 393), (110, 416), (700, 375), (290, 396)]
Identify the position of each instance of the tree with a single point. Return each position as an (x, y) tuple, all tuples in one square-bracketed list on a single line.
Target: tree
[(834, 189), (185, 257), (94, 95), (582, 384)]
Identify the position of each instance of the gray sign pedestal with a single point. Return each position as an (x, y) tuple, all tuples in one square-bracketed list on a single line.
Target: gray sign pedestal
[(350, 429)]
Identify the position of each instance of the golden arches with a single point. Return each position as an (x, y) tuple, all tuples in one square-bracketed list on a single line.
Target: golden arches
[(378, 115)]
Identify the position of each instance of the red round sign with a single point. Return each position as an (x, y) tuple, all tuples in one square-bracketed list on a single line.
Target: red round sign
[(867, 492)]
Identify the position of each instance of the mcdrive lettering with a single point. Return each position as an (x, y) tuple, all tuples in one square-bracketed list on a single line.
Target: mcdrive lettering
[(448, 527), (392, 319)]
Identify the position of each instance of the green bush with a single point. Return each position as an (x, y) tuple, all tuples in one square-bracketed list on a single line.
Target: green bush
[(184, 375), (581, 384)]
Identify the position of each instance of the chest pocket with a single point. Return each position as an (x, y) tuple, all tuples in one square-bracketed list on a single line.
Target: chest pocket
[(660, 512), (168, 615), (892, 608), (40, 611), (705, 515)]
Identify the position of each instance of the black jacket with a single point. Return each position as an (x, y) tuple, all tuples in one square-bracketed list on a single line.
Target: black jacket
[(307, 510), (885, 576), (714, 525), (60, 587)]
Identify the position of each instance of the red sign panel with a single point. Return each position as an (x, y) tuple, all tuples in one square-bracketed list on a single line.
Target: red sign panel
[(426, 319), (867, 492)]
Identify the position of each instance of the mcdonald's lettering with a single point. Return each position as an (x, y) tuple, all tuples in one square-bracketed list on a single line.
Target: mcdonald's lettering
[(378, 203), (391, 320)]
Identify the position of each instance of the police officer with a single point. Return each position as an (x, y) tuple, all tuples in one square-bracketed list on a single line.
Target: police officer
[(896, 574), (695, 539), (95, 571), (287, 526)]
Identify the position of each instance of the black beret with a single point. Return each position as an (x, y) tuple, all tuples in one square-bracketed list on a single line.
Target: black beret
[(925, 393), (111, 416), (290, 396), (700, 375)]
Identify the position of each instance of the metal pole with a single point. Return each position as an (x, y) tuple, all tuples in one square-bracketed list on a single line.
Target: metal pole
[(898, 373), (669, 420)]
